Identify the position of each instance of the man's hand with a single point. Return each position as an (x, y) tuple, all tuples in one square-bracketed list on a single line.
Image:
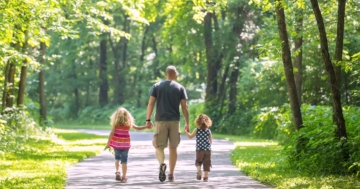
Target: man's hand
[(149, 125), (187, 128)]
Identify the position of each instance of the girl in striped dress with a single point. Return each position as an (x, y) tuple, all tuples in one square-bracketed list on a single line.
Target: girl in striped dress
[(119, 139)]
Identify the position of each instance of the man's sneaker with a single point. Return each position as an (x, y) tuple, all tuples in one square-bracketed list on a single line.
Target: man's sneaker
[(170, 177), (162, 175)]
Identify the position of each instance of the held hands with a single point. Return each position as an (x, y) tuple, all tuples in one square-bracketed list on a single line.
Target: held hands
[(149, 124), (186, 128)]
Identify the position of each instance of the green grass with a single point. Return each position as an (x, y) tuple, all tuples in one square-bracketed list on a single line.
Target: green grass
[(93, 127), (79, 126), (263, 161), (43, 163)]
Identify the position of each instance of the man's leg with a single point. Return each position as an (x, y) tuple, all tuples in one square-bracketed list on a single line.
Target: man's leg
[(160, 155), (160, 141), (174, 140), (172, 159)]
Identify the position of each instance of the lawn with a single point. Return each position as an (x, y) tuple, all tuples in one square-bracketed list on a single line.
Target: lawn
[(93, 127), (43, 163), (263, 161)]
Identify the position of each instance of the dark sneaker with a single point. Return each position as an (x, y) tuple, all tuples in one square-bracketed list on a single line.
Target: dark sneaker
[(162, 175), (170, 177)]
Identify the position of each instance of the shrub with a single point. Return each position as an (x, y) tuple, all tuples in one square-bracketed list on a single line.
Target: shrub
[(16, 128), (314, 149)]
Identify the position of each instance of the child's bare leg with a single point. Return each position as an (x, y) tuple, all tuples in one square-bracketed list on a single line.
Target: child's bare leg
[(199, 173), (206, 173), (117, 162), (124, 169)]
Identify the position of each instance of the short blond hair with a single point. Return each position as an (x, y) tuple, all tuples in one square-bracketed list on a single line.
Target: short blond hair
[(121, 117), (203, 121)]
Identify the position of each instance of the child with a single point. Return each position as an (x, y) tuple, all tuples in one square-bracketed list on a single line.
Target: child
[(119, 139), (203, 145)]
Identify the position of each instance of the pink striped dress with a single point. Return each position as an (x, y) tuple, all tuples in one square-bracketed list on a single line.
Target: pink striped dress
[(121, 138)]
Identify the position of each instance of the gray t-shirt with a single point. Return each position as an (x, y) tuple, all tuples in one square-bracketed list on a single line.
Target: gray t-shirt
[(168, 95)]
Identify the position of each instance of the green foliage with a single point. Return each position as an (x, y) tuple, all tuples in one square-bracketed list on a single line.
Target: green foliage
[(314, 149), (273, 123), (17, 128), (265, 162)]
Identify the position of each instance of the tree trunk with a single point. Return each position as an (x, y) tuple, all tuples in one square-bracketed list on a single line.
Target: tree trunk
[(76, 106), (23, 72), (42, 97), (4, 96), (298, 53), (104, 85), (233, 87), (217, 50), (339, 45), (124, 67), (22, 85), (286, 59), (10, 86), (89, 84), (120, 50), (156, 59), (211, 83), (241, 16), (339, 40), (336, 97), (139, 74), (222, 89)]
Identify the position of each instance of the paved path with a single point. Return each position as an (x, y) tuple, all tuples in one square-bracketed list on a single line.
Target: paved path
[(99, 171)]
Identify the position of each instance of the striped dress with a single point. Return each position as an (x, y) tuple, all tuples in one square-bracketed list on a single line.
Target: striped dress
[(121, 138)]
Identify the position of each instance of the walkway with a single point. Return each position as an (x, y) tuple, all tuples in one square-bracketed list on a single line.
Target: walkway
[(98, 172)]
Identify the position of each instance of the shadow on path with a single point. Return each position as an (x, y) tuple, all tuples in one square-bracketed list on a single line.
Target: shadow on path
[(99, 171)]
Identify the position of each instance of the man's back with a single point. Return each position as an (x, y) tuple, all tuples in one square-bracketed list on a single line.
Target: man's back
[(168, 95)]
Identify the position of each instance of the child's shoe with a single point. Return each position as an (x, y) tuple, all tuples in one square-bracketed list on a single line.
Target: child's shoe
[(206, 179), (198, 175), (117, 176), (124, 180)]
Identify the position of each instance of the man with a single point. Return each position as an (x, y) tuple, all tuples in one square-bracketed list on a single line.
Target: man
[(168, 96)]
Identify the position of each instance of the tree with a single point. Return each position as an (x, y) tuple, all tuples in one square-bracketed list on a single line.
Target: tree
[(336, 97), (298, 42), (288, 67), (103, 85), (42, 94)]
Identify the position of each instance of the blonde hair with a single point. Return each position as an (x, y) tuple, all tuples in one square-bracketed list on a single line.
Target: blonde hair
[(121, 117), (203, 121)]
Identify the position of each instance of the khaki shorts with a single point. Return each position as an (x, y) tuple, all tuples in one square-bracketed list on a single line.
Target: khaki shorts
[(203, 157), (166, 132)]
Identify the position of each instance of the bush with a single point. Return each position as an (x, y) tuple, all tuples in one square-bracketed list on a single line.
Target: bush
[(273, 123), (238, 123), (314, 149), (16, 128)]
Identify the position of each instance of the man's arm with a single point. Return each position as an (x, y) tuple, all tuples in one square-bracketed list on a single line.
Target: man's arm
[(185, 111), (149, 111)]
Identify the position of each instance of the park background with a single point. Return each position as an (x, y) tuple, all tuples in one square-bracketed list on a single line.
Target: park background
[(281, 78)]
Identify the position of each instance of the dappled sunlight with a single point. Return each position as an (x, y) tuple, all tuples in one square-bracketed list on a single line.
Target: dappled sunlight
[(256, 143), (143, 168)]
